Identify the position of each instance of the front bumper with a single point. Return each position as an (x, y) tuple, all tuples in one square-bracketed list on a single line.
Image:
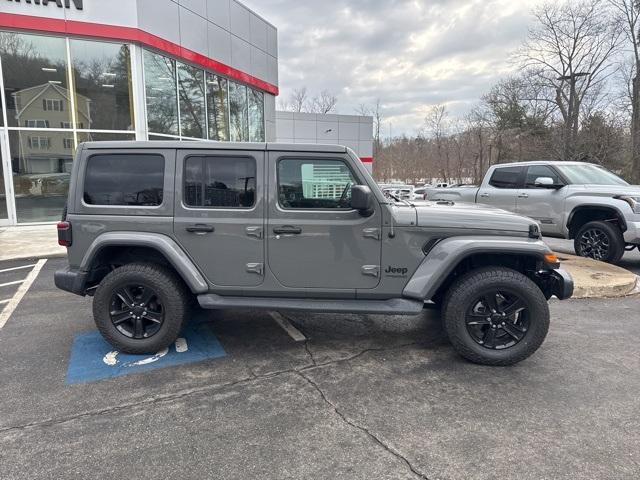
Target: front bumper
[(70, 280), (632, 234), (561, 284)]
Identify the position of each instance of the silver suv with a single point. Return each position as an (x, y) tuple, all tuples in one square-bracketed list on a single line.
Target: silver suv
[(152, 226)]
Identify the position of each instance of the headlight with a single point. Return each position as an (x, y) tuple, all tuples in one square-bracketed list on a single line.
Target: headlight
[(634, 202)]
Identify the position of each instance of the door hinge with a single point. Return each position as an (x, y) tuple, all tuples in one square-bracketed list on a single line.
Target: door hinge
[(254, 232), (371, 270), (371, 233), (257, 268)]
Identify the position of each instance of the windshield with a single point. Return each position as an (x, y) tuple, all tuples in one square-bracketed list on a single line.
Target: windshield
[(590, 175)]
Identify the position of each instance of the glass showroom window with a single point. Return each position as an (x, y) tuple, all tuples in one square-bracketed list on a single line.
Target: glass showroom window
[(238, 107), (35, 79), (192, 107), (41, 162), (256, 115), (102, 75), (162, 98), (4, 209), (218, 107)]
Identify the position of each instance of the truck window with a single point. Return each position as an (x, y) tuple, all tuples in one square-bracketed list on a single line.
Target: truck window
[(124, 180), (536, 171), (314, 183), (219, 182), (506, 177)]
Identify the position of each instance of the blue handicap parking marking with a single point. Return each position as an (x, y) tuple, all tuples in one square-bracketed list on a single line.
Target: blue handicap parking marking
[(92, 358)]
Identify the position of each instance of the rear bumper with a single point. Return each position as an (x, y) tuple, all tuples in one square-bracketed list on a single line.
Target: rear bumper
[(561, 284), (70, 280)]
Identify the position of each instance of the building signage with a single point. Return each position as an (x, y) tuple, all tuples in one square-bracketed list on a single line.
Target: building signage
[(60, 3)]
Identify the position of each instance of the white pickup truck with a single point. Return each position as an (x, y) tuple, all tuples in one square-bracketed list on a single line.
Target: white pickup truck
[(573, 200)]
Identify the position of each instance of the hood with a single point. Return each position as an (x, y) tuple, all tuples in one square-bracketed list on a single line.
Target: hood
[(469, 216)]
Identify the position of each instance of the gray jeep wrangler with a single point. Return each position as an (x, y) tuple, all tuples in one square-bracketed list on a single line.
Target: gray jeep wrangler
[(152, 226)]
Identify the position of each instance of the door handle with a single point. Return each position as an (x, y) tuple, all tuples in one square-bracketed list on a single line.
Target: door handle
[(484, 195), (254, 232), (523, 195), (200, 228), (287, 230)]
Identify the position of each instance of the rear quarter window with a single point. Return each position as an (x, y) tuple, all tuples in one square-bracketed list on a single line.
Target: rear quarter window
[(124, 180)]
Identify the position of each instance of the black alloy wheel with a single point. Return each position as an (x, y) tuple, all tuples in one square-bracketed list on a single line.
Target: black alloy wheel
[(497, 320), (595, 243), (495, 316), (136, 311), (601, 241)]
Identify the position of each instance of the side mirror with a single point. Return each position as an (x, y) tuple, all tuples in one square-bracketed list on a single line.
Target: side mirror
[(362, 200), (546, 182)]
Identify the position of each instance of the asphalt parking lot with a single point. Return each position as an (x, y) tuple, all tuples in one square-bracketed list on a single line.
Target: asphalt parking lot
[(355, 397)]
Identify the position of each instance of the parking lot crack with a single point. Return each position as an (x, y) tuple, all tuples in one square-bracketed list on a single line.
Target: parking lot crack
[(393, 451), (170, 397)]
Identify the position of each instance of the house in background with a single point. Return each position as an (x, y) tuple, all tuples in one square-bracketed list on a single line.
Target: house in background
[(44, 107)]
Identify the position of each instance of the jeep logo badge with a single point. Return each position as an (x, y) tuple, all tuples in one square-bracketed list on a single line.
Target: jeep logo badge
[(60, 3), (396, 271)]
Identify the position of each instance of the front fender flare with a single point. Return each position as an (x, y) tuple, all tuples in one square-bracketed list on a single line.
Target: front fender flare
[(163, 244), (447, 255)]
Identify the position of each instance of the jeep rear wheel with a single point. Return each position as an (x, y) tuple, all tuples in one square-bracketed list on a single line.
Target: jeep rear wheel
[(600, 241), (140, 308), (495, 316)]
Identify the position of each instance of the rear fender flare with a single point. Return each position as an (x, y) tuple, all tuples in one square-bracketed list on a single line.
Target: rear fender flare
[(161, 243), (447, 255)]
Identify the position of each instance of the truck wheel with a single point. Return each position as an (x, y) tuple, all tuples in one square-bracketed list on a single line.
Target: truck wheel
[(600, 241), (140, 308), (495, 316)]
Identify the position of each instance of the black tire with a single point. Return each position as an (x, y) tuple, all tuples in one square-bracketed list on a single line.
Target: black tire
[(464, 301), (170, 303), (601, 241)]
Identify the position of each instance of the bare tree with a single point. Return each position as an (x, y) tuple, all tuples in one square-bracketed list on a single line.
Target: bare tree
[(629, 17), (437, 124), (324, 103), (298, 100), (570, 49)]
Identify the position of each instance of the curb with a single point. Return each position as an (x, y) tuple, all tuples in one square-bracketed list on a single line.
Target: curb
[(595, 279)]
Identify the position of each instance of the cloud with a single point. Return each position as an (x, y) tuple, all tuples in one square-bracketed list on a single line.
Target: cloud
[(410, 54)]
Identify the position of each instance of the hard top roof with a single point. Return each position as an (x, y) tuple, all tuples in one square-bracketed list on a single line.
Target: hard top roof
[(541, 162), (211, 145)]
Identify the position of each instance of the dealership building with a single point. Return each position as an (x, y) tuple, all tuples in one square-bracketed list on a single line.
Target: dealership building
[(89, 70)]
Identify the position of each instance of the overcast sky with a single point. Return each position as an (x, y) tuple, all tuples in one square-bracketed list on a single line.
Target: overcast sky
[(410, 54)]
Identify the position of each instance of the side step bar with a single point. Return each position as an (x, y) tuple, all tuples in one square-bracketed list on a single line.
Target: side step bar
[(395, 306)]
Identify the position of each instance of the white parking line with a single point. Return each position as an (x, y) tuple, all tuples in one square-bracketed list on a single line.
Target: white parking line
[(287, 327), (23, 267), (8, 284), (22, 290), (2, 302)]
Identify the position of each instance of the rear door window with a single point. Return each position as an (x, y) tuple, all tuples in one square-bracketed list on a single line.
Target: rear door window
[(124, 180), (220, 182), (507, 177)]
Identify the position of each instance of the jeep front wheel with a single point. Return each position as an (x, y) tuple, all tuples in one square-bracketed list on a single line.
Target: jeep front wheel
[(140, 308), (495, 316), (600, 241)]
